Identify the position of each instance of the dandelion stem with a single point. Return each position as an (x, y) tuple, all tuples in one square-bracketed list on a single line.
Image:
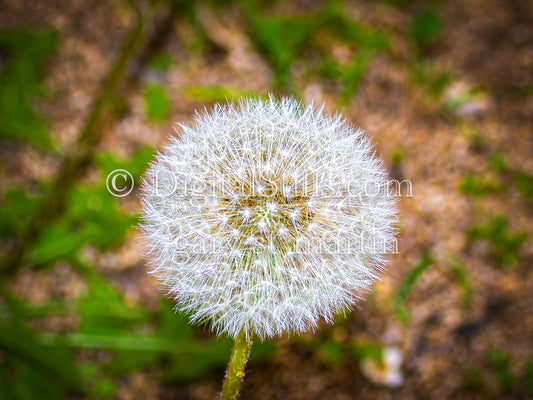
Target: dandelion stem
[(235, 370)]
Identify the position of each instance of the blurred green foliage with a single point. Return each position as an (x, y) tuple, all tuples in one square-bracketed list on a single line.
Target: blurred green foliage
[(138, 338), (29, 369), (521, 180), (335, 18), (135, 337), (475, 185), (472, 380), (366, 42), (156, 103), (500, 364), (348, 75), (367, 350), (160, 62), (498, 378), (426, 28), (39, 364), (332, 352), (17, 205), (217, 93), (405, 288), (22, 55), (91, 216), (337, 352), (284, 40), (528, 377), (462, 279), (426, 31), (280, 39), (435, 83), (505, 244)]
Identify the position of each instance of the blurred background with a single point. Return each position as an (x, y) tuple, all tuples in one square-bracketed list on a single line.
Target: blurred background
[(444, 87)]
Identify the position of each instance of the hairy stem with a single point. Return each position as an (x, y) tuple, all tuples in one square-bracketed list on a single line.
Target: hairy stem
[(235, 370)]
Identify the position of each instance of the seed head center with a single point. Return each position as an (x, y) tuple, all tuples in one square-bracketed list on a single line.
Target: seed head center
[(263, 216)]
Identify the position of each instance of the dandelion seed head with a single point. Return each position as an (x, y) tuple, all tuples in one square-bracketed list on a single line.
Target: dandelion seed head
[(266, 204)]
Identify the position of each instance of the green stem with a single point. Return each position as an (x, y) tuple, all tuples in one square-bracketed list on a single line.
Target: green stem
[(235, 370)]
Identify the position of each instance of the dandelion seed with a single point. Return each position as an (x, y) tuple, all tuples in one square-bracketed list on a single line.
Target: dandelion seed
[(248, 206)]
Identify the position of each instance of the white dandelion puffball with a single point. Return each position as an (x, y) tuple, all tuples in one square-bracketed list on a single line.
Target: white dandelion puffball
[(267, 216)]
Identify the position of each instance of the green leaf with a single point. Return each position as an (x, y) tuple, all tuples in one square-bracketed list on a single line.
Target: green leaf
[(499, 163), (262, 349), (367, 41), (135, 165), (349, 75), (31, 384), (217, 93), (367, 350), (58, 241), (156, 103), (523, 182), (108, 323), (17, 206), (280, 39), (528, 377), (477, 186), (463, 280), (401, 293), (198, 361), (505, 245), (171, 324), (332, 352), (102, 310), (160, 62), (6, 381), (91, 215), (500, 363), (335, 18), (427, 28), (353, 73), (37, 364), (194, 358), (20, 84)]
